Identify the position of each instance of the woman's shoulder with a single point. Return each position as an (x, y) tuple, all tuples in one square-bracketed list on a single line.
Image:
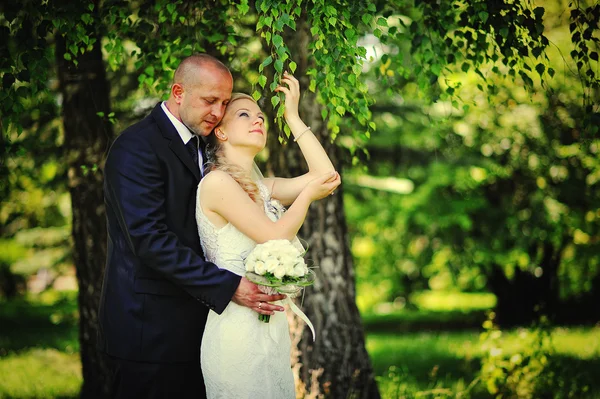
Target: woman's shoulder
[(218, 181), (216, 177)]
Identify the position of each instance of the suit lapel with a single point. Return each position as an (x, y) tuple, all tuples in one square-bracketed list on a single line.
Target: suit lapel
[(175, 143)]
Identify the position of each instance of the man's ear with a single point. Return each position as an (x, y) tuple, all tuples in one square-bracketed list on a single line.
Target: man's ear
[(177, 92)]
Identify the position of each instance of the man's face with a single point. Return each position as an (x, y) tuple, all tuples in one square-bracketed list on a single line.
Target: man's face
[(203, 103)]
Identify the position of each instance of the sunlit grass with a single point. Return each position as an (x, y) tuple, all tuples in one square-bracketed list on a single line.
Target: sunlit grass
[(451, 300), (40, 373), (443, 364)]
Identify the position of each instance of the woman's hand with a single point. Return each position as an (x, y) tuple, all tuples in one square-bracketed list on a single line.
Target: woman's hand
[(292, 96), (322, 186)]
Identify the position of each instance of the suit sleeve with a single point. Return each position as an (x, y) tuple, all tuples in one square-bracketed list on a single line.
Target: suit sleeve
[(135, 190)]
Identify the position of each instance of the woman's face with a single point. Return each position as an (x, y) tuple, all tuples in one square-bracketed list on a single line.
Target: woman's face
[(244, 125)]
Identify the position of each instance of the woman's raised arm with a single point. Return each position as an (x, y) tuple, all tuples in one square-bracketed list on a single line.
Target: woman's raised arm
[(287, 190)]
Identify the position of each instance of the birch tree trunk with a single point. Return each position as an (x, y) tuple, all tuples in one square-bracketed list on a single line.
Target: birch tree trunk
[(337, 364), (85, 92)]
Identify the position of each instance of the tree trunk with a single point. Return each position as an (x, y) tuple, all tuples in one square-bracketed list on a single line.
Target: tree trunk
[(525, 297), (85, 92), (337, 364)]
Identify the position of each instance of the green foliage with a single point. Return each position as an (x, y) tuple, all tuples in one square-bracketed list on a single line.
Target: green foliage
[(489, 188), (27, 53), (586, 42), (448, 364), (533, 372)]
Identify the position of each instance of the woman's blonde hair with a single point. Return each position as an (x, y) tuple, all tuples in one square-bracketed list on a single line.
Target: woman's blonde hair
[(216, 160)]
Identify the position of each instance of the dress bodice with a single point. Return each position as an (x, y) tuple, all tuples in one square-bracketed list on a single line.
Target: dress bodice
[(227, 247)]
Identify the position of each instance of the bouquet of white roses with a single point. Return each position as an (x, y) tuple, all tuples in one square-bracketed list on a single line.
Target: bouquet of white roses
[(278, 266)]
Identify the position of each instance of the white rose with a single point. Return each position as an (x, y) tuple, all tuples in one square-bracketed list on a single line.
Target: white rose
[(279, 272), (289, 268), (260, 268), (271, 265), (299, 270), (262, 254)]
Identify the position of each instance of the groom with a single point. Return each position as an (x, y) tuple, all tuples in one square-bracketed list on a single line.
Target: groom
[(158, 288)]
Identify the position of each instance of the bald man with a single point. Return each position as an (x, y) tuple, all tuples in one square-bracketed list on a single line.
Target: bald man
[(158, 289)]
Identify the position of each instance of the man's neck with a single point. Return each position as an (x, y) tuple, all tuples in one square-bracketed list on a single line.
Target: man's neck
[(173, 108)]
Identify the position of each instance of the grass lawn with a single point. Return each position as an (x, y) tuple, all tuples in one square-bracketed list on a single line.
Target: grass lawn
[(440, 364), (39, 347), (415, 354)]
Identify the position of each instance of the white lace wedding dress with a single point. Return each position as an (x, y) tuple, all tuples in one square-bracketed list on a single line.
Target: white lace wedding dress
[(241, 356)]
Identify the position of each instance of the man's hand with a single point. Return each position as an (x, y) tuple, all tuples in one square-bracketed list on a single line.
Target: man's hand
[(248, 294)]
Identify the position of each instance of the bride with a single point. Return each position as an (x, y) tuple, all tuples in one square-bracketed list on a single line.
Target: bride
[(241, 356)]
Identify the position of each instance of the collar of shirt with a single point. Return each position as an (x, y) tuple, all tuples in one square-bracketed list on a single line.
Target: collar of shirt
[(183, 131)]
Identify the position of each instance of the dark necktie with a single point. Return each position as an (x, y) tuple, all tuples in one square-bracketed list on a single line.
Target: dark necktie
[(192, 147)]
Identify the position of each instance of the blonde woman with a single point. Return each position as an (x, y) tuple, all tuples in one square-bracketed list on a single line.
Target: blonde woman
[(241, 356)]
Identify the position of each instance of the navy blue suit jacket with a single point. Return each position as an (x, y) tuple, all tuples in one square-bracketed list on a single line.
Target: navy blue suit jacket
[(158, 288)]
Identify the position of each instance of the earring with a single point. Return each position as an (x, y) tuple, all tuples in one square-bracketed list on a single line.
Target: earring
[(220, 135)]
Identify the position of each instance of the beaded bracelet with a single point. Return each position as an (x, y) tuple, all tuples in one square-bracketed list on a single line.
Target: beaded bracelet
[(300, 135)]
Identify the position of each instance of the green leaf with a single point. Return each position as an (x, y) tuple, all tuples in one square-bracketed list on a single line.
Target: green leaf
[(465, 67), (243, 7), (483, 15), (382, 22), (594, 55), (67, 56), (539, 12), (149, 71), (277, 40), (280, 111), (275, 100), (267, 61), (540, 68), (293, 66), (366, 18), (551, 72), (256, 95), (86, 18), (279, 66), (170, 8), (262, 81)]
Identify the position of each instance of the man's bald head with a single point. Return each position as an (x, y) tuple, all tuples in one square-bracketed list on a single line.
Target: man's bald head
[(200, 92), (194, 67)]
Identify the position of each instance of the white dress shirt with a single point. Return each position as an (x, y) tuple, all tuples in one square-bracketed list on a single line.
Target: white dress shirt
[(184, 133)]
